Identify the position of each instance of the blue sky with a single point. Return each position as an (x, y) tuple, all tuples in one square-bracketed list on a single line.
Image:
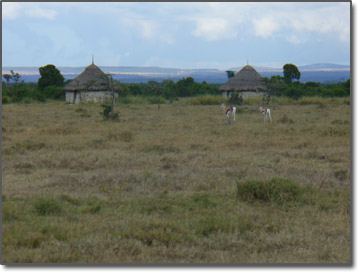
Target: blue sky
[(175, 35)]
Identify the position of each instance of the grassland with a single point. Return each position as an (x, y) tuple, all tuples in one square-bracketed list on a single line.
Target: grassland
[(163, 186)]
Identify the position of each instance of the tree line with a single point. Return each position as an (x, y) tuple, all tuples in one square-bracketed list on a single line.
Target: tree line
[(51, 86), (290, 86)]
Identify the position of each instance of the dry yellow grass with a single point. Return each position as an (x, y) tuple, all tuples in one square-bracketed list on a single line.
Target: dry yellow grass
[(160, 185)]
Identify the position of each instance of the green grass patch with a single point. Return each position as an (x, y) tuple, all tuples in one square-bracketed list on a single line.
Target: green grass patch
[(276, 191), (47, 206)]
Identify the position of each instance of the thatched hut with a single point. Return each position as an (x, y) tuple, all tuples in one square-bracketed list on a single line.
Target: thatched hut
[(91, 85), (246, 82)]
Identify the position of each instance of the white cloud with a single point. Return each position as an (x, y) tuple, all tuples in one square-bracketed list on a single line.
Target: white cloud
[(37, 12), (148, 29), (324, 20), (215, 21), (293, 39), (10, 10), (213, 29), (320, 18), (265, 27)]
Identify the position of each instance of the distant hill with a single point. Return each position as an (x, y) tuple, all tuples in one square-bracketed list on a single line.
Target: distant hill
[(321, 72), (324, 66)]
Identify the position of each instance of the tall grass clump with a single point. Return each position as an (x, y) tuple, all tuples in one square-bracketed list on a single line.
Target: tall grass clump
[(108, 114), (206, 100), (276, 191), (47, 206)]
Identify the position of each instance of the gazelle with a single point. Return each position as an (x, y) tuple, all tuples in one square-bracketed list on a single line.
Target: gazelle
[(266, 112), (229, 111)]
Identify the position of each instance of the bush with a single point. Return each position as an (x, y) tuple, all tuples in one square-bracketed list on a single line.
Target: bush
[(108, 114), (236, 99), (54, 92), (5, 99), (278, 191), (47, 207)]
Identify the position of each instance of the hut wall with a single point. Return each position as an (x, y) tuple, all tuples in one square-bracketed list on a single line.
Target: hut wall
[(226, 94), (85, 96), (70, 97)]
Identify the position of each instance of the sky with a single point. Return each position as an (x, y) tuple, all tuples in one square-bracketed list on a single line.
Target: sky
[(175, 34)]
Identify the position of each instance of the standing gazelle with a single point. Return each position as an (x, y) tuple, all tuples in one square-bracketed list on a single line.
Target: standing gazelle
[(266, 112), (229, 111)]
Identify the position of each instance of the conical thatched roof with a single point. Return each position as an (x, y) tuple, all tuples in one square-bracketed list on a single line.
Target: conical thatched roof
[(247, 79), (91, 79)]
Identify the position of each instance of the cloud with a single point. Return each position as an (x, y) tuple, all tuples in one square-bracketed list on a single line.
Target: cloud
[(148, 29), (12, 11), (265, 27), (324, 20), (37, 12), (213, 29), (319, 18), (294, 40)]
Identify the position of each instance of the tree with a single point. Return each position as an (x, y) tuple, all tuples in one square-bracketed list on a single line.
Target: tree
[(7, 77), (15, 77), (290, 71), (276, 84), (50, 76), (156, 88)]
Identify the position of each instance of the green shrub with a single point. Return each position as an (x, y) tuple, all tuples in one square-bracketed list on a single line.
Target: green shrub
[(108, 114), (277, 191), (5, 99), (48, 206), (54, 92), (236, 99)]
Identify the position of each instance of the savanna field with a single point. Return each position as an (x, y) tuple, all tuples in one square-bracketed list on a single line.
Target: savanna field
[(176, 184)]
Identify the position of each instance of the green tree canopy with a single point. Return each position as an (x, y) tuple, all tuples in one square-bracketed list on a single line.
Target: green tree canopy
[(290, 71), (276, 84), (50, 76), (7, 77)]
